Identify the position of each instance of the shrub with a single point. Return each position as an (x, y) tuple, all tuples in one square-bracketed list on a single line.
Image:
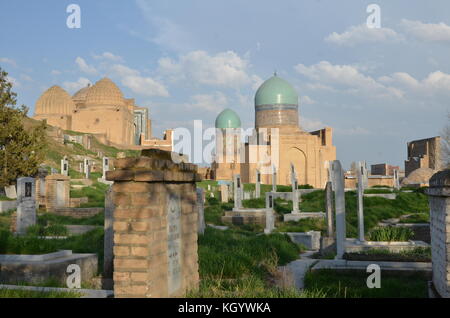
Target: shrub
[(391, 233)]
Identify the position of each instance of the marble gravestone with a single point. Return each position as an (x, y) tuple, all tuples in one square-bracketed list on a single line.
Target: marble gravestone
[(274, 179), (258, 184), (362, 184), (224, 193), (339, 201), (10, 192), (294, 184), (26, 204), (237, 191), (65, 167)]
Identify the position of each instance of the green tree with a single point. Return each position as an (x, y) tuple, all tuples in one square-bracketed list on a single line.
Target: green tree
[(21, 149)]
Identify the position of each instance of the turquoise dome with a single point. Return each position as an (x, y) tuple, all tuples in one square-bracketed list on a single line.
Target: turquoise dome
[(228, 119), (276, 91)]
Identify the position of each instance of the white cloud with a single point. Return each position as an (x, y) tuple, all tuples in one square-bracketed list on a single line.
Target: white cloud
[(209, 102), (357, 130), (309, 124), (306, 100), (26, 77), (225, 69), (362, 34), (346, 78), (72, 87), (122, 70), (8, 61), (84, 67), (108, 56), (55, 72), (145, 86), (428, 32)]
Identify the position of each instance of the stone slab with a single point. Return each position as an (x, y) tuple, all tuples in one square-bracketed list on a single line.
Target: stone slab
[(7, 205), (302, 215), (354, 246), (86, 293), (389, 196), (362, 265), (310, 239)]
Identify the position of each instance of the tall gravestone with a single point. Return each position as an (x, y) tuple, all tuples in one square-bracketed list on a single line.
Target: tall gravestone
[(329, 209), (274, 179), (224, 196), (339, 201), (108, 266), (362, 176), (155, 226), (270, 221), (26, 204), (201, 211), (11, 192), (81, 167), (105, 166), (439, 202), (65, 166), (87, 170), (237, 191), (258, 184), (294, 184), (396, 180)]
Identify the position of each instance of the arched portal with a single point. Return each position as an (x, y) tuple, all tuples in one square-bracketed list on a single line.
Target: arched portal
[(298, 159)]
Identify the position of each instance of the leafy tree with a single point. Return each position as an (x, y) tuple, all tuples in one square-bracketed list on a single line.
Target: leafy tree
[(21, 149)]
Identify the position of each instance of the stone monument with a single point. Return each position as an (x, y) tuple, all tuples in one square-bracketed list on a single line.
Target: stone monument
[(201, 211), (26, 204)]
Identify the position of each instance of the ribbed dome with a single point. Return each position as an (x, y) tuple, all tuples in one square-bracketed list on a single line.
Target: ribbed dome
[(104, 92), (55, 100), (276, 91), (228, 119), (81, 94)]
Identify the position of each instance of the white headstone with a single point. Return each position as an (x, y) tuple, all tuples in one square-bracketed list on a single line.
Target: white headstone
[(362, 175), (224, 192), (270, 221), (396, 180), (65, 166), (258, 183), (294, 184), (105, 167), (274, 179), (87, 171), (339, 201), (26, 204), (238, 191), (85, 165), (10, 192)]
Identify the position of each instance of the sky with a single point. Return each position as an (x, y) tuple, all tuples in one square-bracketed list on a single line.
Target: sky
[(378, 88)]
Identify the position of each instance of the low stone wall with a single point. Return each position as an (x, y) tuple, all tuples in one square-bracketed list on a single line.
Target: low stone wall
[(7, 205), (421, 231), (78, 213), (389, 196), (76, 202), (35, 269), (354, 246), (310, 239)]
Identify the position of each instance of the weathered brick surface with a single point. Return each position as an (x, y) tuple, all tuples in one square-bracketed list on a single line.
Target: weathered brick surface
[(149, 241), (51, 201)]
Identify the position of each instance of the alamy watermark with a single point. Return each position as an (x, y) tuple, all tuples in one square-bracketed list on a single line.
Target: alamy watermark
[(74, 19)]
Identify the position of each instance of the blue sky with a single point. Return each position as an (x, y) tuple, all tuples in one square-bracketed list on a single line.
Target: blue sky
[(187, 60)]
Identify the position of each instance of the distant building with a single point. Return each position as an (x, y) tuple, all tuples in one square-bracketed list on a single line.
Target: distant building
[(100, 110), (276, 107), (423, 153), (383, 169)]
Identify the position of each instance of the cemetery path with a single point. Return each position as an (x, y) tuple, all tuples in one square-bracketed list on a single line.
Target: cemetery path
[(300, 267)]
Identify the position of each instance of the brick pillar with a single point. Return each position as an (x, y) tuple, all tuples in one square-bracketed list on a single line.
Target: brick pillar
[(155, 226), (439, 199)]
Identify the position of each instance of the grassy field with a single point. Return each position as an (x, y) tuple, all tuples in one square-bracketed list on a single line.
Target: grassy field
[(352, 284), (15, 293), (94, 193)]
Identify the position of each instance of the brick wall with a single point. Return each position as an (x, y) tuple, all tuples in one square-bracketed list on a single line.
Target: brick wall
[(51, 199), (439, 199), (155, 226)]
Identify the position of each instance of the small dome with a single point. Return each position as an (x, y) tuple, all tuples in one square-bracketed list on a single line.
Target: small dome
[(228, 119), (418, 176), (55, 100), (81, 94), (276, 91), (104, 92)]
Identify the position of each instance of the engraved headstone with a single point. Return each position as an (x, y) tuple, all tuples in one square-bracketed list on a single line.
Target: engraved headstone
[(108, 264), (224, 193), (85, 165), (237, 191), (201, 211), (274, 179), (87, 170), (396, 180), (26, 204), (329, 209), (270, 221), (174, 242), (294, 185)]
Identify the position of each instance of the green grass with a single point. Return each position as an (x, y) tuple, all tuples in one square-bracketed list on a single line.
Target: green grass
[(94, 193), (17, 293), (5, 220), (237, 263), (352, 284), (391, 233), (416, 218), (378, 191), (303, 225), (49, 230), (418, 254), (50, 218), (90, 242), (5, 198)]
